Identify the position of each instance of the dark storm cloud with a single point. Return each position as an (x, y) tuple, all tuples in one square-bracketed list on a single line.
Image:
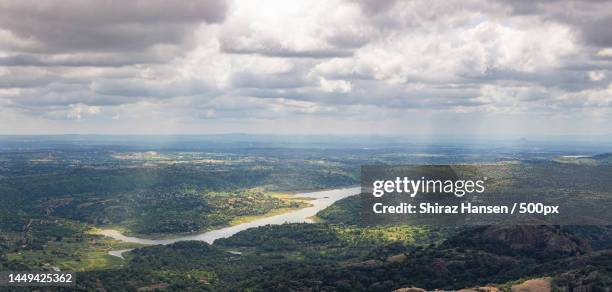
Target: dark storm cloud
[(73, 25)]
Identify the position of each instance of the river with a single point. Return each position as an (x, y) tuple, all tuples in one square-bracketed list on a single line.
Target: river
[(320, 200)]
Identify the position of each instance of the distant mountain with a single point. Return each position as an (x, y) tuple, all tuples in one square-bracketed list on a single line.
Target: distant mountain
[(600, 159)]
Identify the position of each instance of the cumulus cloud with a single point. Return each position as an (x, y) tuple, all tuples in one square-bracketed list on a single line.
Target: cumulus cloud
[(342, 62), (588, 18), (294, 29), (77, 111), (69, 26), (596, 75)]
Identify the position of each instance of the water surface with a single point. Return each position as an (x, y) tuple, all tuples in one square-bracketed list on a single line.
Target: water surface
[(320, 200)]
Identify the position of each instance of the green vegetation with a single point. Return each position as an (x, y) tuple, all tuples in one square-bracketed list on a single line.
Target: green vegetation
[(600, 159), (69, 255), (59, 244), (318, 257), (346, 210), (181, 209), (145, 201), (51, 201)]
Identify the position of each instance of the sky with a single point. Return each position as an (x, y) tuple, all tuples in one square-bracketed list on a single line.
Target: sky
[(507, 68)]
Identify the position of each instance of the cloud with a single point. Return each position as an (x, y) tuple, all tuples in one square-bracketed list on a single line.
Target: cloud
[(149, 88), (260, 64), (77, 111), (72, 25), (24, 78), (81, 60), (596, 75), (371, 7), (607, 52), (588, 18), (293, 29), (277, 50), (335, 85)]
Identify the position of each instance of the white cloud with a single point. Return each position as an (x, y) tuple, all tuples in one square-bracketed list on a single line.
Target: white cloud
[(596, 75), (252, 62), (79, 111), (341, 86), (607, 52)]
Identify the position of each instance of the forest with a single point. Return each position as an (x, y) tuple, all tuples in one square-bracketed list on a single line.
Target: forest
[(54, 199)]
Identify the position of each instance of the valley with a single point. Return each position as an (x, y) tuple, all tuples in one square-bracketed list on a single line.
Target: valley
[(126, 217)]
